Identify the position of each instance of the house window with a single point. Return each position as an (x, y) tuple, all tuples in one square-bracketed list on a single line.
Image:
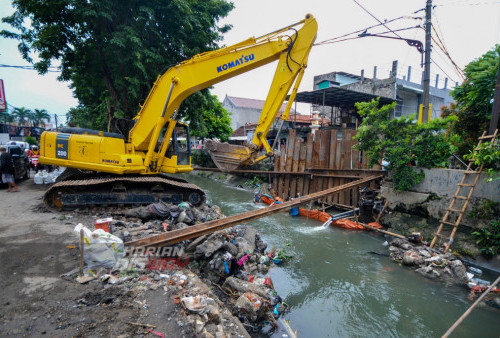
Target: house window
[(398, 109)]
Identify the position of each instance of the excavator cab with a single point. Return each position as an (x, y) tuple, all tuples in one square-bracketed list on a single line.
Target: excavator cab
[(180, 145)]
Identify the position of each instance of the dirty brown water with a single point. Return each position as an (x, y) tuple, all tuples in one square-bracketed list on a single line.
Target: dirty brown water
[(335, 288)]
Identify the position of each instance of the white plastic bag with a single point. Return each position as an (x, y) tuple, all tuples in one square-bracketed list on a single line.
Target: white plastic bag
[(101, 249), (56, 173), (38, 178)]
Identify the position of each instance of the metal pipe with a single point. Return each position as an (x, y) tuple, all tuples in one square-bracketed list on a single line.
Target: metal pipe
[(276, 139), (168, 99)]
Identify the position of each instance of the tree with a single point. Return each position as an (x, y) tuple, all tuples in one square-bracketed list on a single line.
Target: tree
[(5, 117), (40, 117), (210, 120), (474, 100), (22, 115), (112, 51), (402, 143)]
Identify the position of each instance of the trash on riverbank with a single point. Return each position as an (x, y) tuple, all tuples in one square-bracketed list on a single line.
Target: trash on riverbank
[(211, 278), (444, 267)]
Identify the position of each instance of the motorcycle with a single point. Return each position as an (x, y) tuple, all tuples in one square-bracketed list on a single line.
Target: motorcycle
[(34, 164)]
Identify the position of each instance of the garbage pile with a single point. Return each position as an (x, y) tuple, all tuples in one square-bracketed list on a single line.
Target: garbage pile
[(429, 262), (45, 177), (444, 267), (233, 261), (161, 217)]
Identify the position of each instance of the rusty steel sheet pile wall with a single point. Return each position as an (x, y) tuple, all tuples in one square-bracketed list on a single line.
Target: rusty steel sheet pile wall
[(330, 159)]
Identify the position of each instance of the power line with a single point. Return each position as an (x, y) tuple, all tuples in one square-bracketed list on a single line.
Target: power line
[(362, 35), (445, 51), (373, 16), (464, 3), (358, 31), (29, 68)]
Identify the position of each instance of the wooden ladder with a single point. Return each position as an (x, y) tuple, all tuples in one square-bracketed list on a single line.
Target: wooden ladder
[(462, 195)]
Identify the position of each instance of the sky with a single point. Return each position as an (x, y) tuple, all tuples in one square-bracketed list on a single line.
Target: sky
[(467, 28)]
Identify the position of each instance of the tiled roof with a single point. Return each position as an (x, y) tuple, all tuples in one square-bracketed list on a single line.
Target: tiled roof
[(299, 118), (242, 102)]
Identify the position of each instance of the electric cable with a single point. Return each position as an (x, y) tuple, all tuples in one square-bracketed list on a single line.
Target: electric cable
[(445, 51), (28, 68), (362, 30), (373, 16)]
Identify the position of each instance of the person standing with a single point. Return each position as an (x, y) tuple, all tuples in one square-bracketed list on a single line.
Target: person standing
[(7, 169)]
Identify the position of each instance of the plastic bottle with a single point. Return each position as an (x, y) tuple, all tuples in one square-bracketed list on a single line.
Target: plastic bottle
[(475, 271), (481, 281)]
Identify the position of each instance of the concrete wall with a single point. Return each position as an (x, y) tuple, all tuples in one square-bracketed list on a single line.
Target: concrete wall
[(432, 196), (240, 116), (443, 182), (375, 87)]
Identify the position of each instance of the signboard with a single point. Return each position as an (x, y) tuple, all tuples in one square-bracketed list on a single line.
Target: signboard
[(3, 101)]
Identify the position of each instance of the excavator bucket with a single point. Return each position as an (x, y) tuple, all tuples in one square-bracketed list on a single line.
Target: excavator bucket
[(227, 156)]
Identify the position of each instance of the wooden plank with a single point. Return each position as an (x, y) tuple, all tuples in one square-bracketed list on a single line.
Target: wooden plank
[(289, 159), (323, 152), (176, 236), (295, 167), (282, 169), (309, 156), (325, 141), (331, 160), (347, 164), (355, 197), (293, 173), (356, 162), (348, 149), (315, 161), (341, 164), (276, 178), (302, 167)]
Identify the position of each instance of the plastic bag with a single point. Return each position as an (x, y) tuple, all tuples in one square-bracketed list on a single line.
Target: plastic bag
[(101, 249), (38, 178)]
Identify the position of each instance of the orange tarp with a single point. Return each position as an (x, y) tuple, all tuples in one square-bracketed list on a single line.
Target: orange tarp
[(323, 217), (268, 200), (316, 214), (352, 225)]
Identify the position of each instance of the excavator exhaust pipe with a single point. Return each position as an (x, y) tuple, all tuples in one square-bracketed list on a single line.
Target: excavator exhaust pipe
[(228, 157)]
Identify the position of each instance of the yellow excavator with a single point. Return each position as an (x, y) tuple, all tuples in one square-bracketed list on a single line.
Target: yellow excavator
[(128, 167)]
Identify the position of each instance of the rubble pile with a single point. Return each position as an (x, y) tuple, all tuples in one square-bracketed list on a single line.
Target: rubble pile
[(217, 281), (443, 267), (234, 260), (161, 217), (429, 262)]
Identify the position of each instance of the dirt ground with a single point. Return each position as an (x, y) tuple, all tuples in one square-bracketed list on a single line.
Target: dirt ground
[(37, 250)]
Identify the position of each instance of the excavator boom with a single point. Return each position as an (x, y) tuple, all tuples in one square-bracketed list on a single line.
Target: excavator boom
[(289, 46), (158, 144)]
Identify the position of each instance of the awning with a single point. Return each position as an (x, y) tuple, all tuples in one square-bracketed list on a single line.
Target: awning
[(338, 97)]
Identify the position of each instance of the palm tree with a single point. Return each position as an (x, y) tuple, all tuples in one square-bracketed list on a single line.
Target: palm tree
[(31, 118), (40, 117), (21, 114), (5, 117)]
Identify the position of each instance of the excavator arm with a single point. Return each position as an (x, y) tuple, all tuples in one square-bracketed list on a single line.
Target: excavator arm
[(156, 120), (151, 146)]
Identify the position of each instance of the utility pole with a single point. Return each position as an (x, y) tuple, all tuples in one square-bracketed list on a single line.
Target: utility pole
[(496, 103), (427, 62), (55, 118)]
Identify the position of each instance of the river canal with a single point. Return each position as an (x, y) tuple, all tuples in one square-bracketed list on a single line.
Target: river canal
[(336, 288)]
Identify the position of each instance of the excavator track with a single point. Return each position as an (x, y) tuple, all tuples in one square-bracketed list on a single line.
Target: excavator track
[(89, 190)]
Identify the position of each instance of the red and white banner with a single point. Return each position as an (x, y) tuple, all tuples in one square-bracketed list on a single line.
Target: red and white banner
[(3, 101)]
